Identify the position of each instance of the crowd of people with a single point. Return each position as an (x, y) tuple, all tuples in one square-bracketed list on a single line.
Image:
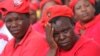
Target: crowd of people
[(49, 28)]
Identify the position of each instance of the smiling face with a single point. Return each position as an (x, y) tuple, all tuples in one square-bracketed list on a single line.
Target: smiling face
[(84, 11), (64, 35), (17, 24)]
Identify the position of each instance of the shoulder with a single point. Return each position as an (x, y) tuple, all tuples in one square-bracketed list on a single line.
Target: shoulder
[(89, 48)]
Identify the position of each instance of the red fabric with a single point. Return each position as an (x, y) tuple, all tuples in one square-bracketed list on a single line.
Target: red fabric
[(83, 47), (23, 7), (74, 2), (60, 11), (34, 6), (1, 23), (28, 46), (20, 6), (91, 29), (38, 26)]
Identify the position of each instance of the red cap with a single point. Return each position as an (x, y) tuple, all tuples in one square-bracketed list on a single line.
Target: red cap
[(43, 2), (19, 6), (74, 2), (61, 10)]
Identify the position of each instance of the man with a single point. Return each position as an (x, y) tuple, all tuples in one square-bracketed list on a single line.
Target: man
[(60, 36), (25, 41), (88, 24)]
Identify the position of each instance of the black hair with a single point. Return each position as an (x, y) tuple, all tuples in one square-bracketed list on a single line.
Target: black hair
[(26, 15), (53, 20), (63, 2), (97, 7)]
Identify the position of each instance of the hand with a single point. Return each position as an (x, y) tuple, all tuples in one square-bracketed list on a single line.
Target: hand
[(49, 36)]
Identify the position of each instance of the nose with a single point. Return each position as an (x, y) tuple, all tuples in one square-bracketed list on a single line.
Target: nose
[(62, 36), (83, 8), (13, 24)]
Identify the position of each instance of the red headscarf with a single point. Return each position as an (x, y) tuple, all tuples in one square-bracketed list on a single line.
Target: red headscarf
[(74, 2), (60, 10)]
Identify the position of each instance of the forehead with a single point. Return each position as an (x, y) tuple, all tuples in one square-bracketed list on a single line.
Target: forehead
[(10, 15), (62, 23)]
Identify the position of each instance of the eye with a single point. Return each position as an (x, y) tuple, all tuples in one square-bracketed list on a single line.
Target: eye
[(55, 34), (78, 7), (8, 20), (65, 31)]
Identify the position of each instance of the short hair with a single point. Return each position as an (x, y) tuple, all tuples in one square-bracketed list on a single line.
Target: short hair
[(53, 20)]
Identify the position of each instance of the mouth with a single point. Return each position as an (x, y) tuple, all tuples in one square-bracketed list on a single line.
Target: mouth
[(65, 43), (14, 31), (85, 15)]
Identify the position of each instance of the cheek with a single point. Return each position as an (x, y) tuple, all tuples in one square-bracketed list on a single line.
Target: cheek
[(91, 10), (20, 22), (77, 13), (8, 25), (56, 39)]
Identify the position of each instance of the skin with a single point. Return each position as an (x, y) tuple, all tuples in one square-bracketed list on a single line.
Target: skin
[(60, 35), (33, 17), (17, 24), (84, 11)]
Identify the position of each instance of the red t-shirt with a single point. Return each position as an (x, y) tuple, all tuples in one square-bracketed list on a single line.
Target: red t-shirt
[(28, 46), (38, 26), (90, 30)]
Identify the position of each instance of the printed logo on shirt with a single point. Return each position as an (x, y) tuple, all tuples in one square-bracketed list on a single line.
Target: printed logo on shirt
[(17, 2), (48, 14)]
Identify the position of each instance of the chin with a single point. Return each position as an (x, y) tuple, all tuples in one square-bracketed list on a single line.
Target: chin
[(66, 48)]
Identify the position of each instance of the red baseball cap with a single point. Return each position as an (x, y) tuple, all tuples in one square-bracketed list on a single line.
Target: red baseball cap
[(61, 10), (19, 6)]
